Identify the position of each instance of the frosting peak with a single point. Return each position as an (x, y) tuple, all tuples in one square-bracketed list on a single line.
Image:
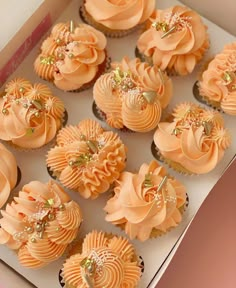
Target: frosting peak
[(146, 201), (196, 138), (105, 261), (120, 15), (87, 158), (40, 223), (30, 115), (133, 95), (71, 55), (176, 39), (218, 83)]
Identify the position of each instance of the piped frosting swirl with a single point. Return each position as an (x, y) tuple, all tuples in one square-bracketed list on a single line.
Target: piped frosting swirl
[(87, 158), (40, 223)]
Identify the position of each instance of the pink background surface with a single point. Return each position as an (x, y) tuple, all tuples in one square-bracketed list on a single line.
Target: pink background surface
[(206, 258)]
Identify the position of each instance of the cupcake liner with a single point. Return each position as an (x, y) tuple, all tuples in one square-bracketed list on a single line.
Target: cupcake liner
[(156, 232), (142, 57), (18, 176), (204, 100), (100, 115), (86, 18), (155, 153), (171, 164)]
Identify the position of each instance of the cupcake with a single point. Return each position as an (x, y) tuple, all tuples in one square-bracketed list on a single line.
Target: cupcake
[(8, 174), (86, 158), (105, 260), (194, 142), (72, 56), (217, 86), (146, 204), (30, 115), (133, 95), (175, 39), (40, 223), (116, 18)]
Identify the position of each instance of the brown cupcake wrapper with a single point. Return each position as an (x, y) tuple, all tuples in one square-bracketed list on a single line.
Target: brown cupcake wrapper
[(205, 100), (100, 115), (87, 18), (156, 232), (171, 164)]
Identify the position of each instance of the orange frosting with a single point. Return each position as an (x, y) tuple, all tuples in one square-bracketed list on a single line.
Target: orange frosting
[(176, 39), (120, 15), (30, 115), (40, 223), (71, 55), (105, 261), (133, 95), (141, 203), (218, 83), (8, 173), (86, 158), (196, 138)]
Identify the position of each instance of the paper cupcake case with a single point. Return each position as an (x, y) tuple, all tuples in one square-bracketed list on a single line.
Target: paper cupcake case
[(79, 106)]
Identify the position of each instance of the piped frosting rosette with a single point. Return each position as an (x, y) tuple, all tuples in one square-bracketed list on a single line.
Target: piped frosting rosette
[(30, 115), (218, 82), (71, 56), (117, 18), (8, 173), (40, 223), (105, 261), (87, 158), (133, 95), (146, 204), (175, 39), (195, 141)]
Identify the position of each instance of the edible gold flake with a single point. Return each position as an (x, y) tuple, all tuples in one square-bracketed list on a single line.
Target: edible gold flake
[(147, 183), (47, 60), (150, 96)]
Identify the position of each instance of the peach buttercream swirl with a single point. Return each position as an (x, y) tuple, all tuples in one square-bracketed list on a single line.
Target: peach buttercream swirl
[(133, 95), (8, 173), (40, 223), (146, 201), (218, 82), (105, 261), (30, 115), (196, 138), (176, 39), (71, 55), (87, 158), (120, 15)]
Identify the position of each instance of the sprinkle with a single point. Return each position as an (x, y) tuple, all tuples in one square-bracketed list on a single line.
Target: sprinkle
[(147, 181), (72, 26), (47, 60), (172, 29), (163, 181), (5, 111)]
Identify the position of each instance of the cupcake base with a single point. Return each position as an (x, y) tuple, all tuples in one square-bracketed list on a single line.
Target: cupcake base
[(204, 100), (100, 115), (171, 164), (87, 18)]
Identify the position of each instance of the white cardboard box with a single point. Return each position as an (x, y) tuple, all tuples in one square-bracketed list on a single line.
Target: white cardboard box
[(155, 251)]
